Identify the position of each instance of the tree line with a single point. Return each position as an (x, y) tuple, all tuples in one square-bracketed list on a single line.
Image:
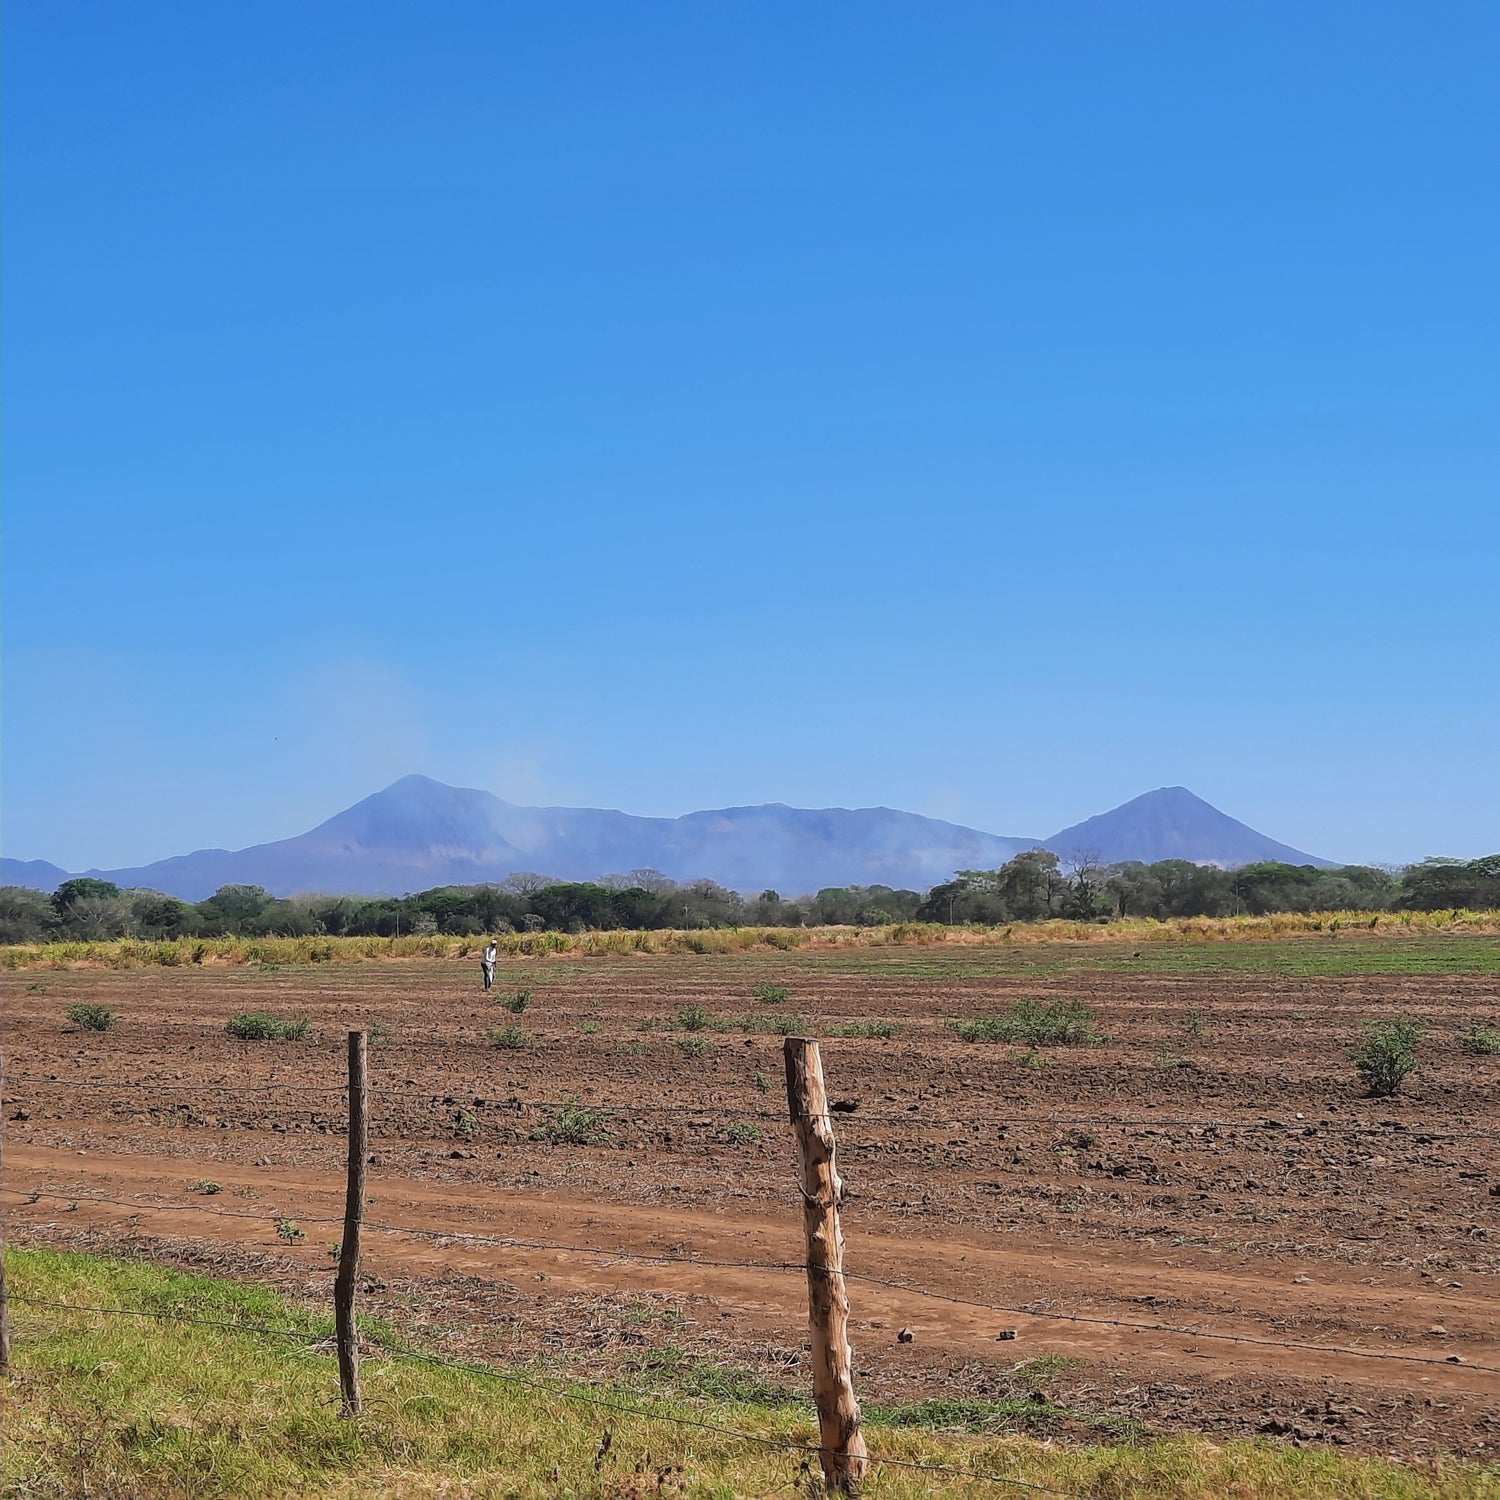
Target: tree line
[(1037, 884), (1031, 887)]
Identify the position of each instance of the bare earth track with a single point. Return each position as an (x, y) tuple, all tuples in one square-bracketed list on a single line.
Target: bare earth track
[(1211, 1166)]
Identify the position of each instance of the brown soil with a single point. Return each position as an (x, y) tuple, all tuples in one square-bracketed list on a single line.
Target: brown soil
[(1221, 1175)]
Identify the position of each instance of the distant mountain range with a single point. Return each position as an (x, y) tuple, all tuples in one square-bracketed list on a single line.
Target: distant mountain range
[(419, 833)]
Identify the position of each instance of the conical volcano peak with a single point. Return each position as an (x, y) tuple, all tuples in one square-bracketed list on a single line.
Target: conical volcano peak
[(1172, 823)]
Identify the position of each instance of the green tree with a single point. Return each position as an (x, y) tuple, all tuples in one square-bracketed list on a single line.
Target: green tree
[(81, 888), (1031, 885), (157, 916), (236, 910), (26, 916)]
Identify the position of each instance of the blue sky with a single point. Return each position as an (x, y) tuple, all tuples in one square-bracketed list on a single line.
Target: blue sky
[(993, 410)]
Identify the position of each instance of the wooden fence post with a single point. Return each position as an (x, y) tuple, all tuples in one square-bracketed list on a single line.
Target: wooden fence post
[(842, 1446), (4, 1296), (354, 1212)]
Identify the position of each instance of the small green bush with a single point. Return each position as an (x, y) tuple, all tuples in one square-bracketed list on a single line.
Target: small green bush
[(1480, 1041), (288, 1232), (1060, 1023), (91, 1017), (692, 1018), (257, 1026), (691, 1046), (771, 994), (1387, 1055), (739, 1134), (509, 1038), (206, 1186), (517, 1002), (573, 1124)]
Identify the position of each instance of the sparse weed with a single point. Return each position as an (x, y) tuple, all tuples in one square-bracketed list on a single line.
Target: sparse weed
[(257, 1026), (693, 1018), (378, 1032), (509, 1038), (762, 1083), (879, 1031), (88, 1016), (517, 1002), (1480, 1041), (1195, 1022), (1059, 1023), (1166, 1058), (1387, 1055), (691, 1046), (1031, 1058), (738, 1133), (777, 1025), (335, 1249), (573, 1124), (771, 994), (465, 1125), (288, 1233), (205, 1186)]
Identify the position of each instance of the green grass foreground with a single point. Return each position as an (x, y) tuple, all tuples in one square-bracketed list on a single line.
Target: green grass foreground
[(143, 1408)]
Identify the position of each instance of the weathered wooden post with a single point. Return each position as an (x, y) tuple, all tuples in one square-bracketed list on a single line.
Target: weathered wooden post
[(354, 1212), (841, 1444)]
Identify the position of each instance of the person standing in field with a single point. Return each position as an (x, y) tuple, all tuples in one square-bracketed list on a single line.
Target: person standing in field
[(487, 963)]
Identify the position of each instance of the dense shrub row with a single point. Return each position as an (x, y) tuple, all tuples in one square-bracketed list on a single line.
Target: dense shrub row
[(1034, 886)]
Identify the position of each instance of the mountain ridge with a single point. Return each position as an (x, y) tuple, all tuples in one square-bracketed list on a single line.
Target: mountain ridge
[(418, 833)]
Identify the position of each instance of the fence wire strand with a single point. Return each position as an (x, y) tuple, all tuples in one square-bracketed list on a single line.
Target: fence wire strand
[(667, 1258), (850, 1119)]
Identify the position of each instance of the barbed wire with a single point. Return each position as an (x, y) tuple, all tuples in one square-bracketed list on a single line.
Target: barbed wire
[(867, 1278), (852, 1118), (268, 1086), (562, 1393)]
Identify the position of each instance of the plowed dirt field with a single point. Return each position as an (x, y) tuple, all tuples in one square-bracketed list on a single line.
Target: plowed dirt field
[(1198, 1222)]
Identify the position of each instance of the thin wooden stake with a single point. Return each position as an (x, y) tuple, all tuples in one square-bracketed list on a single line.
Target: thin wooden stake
[(842, 1446), (4, 1295), (354, 1212)]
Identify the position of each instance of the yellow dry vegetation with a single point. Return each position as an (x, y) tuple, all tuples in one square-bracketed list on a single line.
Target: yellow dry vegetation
[(134, 953)]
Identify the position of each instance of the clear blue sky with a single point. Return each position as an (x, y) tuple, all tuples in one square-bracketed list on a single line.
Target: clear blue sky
[(993, 410)]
